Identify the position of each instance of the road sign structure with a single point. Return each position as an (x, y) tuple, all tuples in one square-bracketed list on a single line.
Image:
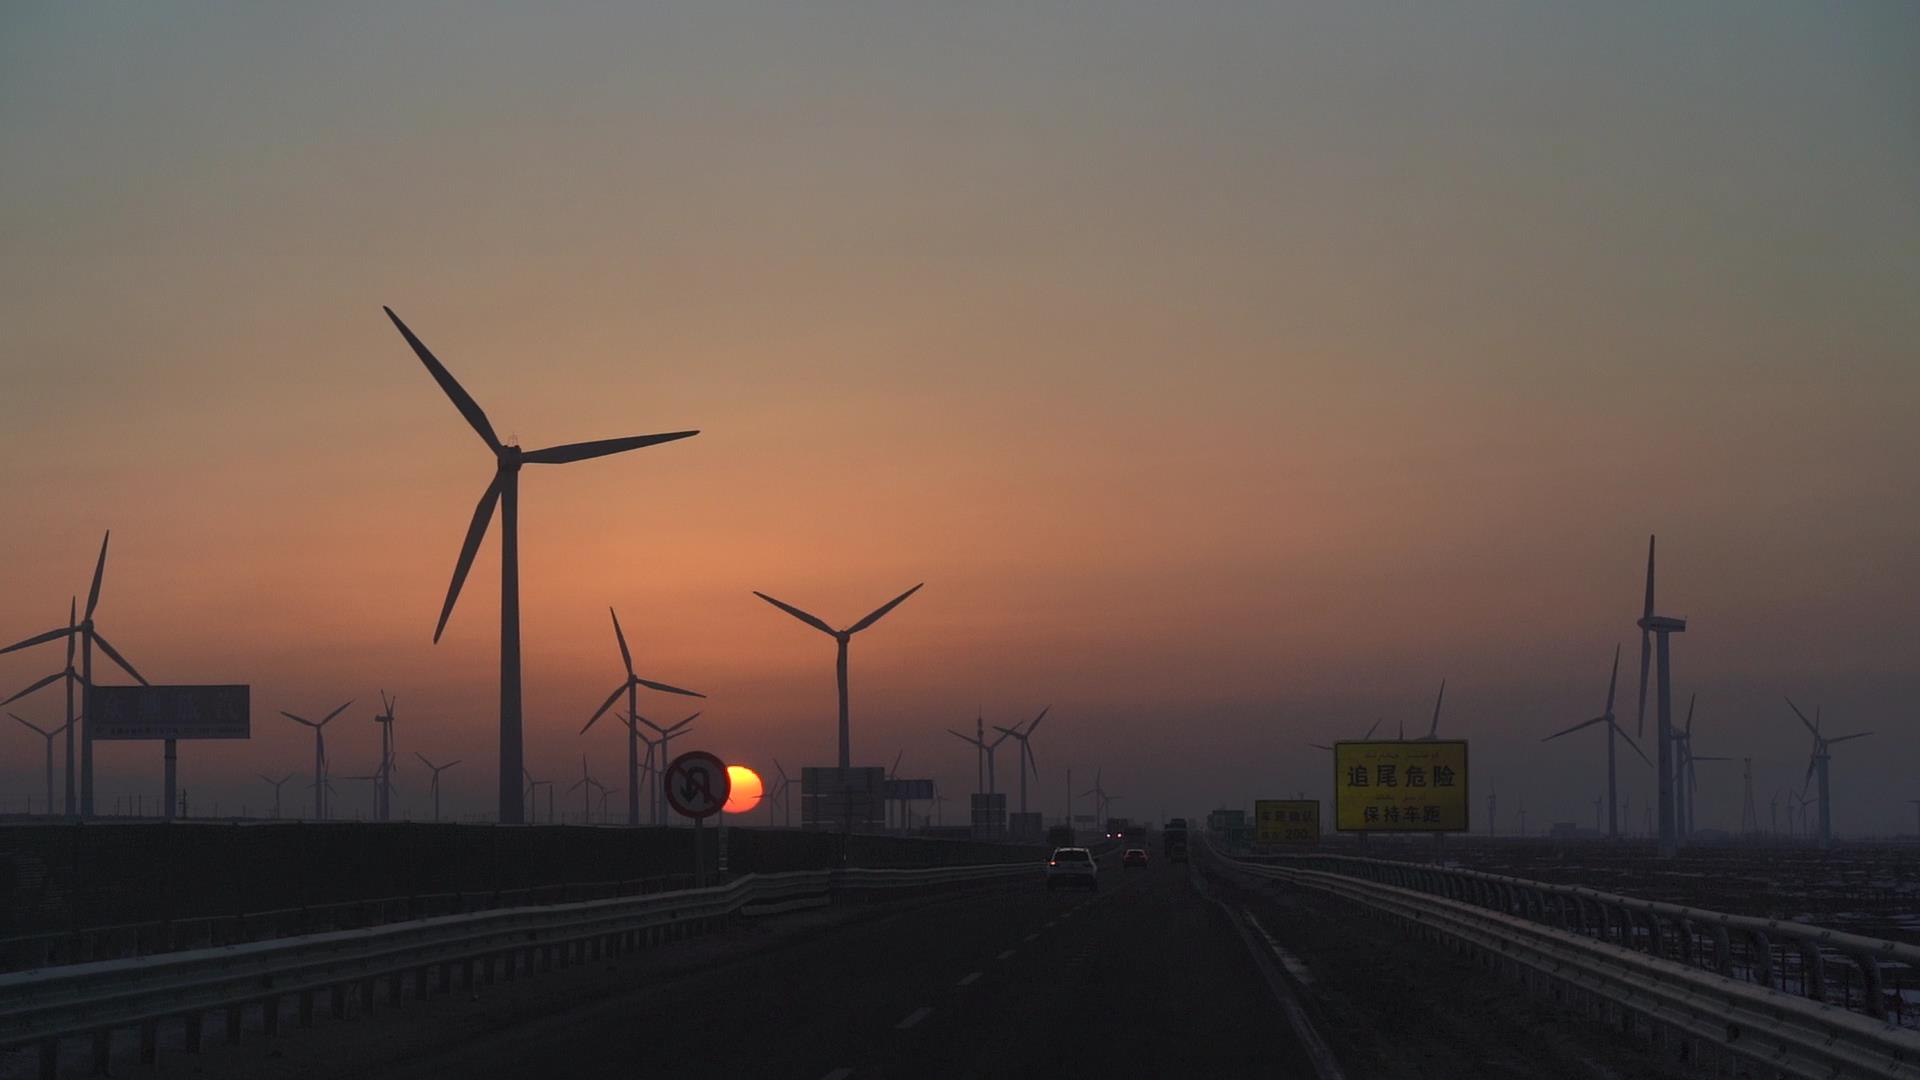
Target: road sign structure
[(1400, 786), (170, 712), (697, 784), (1286, 821)]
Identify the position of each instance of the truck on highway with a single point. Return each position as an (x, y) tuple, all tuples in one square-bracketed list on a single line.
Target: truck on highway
[(1173, 839)]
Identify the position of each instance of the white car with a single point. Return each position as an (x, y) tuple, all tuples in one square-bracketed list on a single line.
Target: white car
[(1072, 867)]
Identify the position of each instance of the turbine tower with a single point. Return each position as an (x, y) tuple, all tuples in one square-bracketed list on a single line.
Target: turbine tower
[(1817, 763), (71, 678), (505, 490), (48, 736), (631, 687), (1613, 729), (840, 665), (277, 784), (1026, 752), (1663, 627), (1689, 789), (383, 808), (434, 784), (89, 637), (319, 757)]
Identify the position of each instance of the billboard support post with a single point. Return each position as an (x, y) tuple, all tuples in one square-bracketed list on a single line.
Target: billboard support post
[(173, 761)]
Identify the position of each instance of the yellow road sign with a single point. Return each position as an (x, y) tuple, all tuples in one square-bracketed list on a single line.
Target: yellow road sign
[(1400, 786), (1286, 821)]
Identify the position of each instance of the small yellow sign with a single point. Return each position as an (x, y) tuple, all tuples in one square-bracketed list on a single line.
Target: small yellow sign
[(1286, 821), (1400, 786)]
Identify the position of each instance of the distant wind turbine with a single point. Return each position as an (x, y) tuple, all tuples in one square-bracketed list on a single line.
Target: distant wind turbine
[(70, 678), (986, 749), (1662, 627), (585, 786), (319, 757), (277, 784), (48, 736), (1690, 787), (1817, 766), (89, 637), (631, 687), (434, 784), (1613, 729), (1433, 728), (505, 490), (1026, 751), (841, 637), (384, 808)]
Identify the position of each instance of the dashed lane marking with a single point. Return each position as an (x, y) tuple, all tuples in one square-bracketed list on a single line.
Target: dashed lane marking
[(1294, 965), (1004, 955), (913, 1018), (1030, 937), (969, 980)]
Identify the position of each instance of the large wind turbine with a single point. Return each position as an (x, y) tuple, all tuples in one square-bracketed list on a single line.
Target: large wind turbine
[(631, 687), (319, 757), (1613, 729), (435, 783), (89, 637), (71, 678), (48, 736), (840, 666), (1661, 627), (1817, 765), (505, 490), (1026, 752)]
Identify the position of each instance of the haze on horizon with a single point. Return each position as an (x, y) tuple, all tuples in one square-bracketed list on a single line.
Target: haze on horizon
[(1231, 375)]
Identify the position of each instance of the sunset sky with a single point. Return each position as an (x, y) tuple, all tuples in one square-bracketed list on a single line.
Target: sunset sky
[(1231, 373)]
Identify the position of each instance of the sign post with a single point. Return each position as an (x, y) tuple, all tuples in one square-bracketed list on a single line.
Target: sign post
[(697, 787), (169, 714)]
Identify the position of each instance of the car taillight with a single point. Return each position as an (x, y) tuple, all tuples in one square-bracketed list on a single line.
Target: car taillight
[(1050, 862)]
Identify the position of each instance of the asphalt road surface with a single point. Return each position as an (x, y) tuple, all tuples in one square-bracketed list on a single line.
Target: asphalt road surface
[(1159, 974)]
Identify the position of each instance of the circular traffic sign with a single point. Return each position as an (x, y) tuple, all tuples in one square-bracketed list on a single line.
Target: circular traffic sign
[(697, 784)]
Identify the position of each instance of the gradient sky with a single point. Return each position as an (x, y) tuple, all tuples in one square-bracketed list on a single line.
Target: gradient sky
[(1231, 373)]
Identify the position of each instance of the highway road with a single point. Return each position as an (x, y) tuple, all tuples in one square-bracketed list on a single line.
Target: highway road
[(1160, 974)]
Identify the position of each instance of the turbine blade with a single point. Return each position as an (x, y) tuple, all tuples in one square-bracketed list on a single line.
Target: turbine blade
[(1433, 729), (666, 688), (298, 719), (1617, 730), (1646, 659), (34, 726), (681, 724), (107, 647), (883, 609), (1647, 612), (1035, 726), (99, 571), (457, 393), (49, 680), (1010, 731), (1371, 730), (1830, 742), (336, 712), (476, 531), (423, 759), (561, 455), (1576, 727), (626, 657), (968, 739), (1811, 760), (1320, 746), (1802, 716), (37, 639), (451, 764), (798, 614), (1692, 699), (1613, 679), (73, 625), (604, 706)]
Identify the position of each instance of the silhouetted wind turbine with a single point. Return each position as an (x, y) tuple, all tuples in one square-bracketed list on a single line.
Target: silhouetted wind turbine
[(1100, 801), (70, 678), (1613, 729), (276, 790), (840, 665), (666, 737), (986, 750), (384, 804), (434, 784), (587, 782), (1363, 738), (48, 736), (1817, 764), (1433, 728), (89, 637), (1026, 752), (1661, 627), (533, 788), (505, 490), (780, 793), (631, 687), (319, 757), (1691, 780)]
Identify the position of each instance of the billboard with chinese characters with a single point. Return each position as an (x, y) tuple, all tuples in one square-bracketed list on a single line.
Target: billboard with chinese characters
[(1400, 786), (1286, 821), (170, 712)]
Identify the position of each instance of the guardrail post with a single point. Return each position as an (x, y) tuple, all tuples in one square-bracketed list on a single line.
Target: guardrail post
[(1813, 971), (1722, 951), (1763, 951), (1871, 984)]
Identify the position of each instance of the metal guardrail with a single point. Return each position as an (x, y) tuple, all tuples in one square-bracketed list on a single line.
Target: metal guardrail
[(1672, 966), (92, 1001)]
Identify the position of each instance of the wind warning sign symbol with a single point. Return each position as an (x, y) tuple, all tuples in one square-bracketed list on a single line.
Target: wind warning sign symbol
[(697, 784)]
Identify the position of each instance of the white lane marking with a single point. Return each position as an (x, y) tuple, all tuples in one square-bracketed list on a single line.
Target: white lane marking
[(1294, 965), (838, 1074), (1051, 924), (1030, 937), (1004, 955), (913, 1018), (969, 980)]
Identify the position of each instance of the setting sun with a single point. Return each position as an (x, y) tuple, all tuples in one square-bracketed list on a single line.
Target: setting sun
[(746, 789)]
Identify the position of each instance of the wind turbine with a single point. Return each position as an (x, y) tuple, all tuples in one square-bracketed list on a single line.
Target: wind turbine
[(666, 738), (319, 757), (89, 637), (1817, 763), (1100, 800), (840, 665), (1026, 752), (505, 490), (1613, 729), (1491, 804), (1363, 738), (986, 750), (631, 687), (1663, 627), (71, 678), (1433, 728), (1687, 757), (384, 804), (47, 735), (434, 785), (780, 794), (375, 776), (533, 788), (588, 783), (276, 790)]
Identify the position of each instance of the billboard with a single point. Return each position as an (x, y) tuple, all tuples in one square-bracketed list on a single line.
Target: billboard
[(852, 799), (1410, 786), (169, 712), (1286, 821)]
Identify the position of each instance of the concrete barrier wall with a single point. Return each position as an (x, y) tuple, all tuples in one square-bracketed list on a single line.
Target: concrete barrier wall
[(68, 876)]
